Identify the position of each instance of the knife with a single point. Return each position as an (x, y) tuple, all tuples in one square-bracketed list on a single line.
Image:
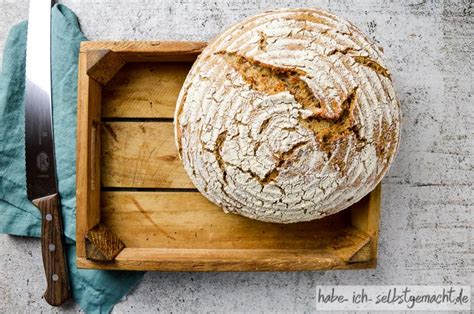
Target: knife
[(41, 181)]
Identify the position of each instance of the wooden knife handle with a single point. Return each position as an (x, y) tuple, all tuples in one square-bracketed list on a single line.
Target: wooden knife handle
[(53, 250)]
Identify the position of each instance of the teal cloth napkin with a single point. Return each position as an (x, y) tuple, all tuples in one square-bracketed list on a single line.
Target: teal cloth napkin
[(95, 291)]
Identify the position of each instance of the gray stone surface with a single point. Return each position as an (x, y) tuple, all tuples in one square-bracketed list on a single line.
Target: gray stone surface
[(426, 231)]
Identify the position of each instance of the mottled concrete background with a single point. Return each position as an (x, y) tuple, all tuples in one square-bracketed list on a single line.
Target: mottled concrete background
[(426, 232)]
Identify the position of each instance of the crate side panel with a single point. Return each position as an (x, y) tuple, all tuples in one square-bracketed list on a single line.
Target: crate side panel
[(188, 220), (144, 90), (365, 215), (87, 163)]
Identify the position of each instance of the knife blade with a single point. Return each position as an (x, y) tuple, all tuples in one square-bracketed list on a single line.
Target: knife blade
[(41, 179)]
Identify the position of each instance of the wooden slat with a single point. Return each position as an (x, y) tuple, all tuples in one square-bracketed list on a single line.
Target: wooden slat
[(159, 260), (173, 259), (195, 260), (140, 51), (88, 148), (220, 260), (148, 89), (188, 220), (139, 155)]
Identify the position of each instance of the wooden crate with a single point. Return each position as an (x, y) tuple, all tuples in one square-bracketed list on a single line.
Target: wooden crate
[(138, 210)]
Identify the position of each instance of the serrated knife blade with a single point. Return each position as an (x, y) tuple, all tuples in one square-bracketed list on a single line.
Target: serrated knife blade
[(41, 178)]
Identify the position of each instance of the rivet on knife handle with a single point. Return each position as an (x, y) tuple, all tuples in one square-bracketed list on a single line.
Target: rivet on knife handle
[(53, 250)]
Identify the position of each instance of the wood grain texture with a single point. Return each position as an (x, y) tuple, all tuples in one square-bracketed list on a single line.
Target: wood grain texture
[(142, 51), (103, 64), (189, 220), (223, 260), (365, 215), (102, 245), (184, 231), (53, 251), (88, 150), (363, 255), (141, 154), (148, 89)]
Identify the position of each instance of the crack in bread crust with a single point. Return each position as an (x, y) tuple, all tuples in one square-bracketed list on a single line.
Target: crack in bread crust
[(373, 65), (272, 80)]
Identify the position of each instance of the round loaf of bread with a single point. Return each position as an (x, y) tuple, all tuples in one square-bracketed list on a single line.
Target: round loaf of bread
[(288, 116)]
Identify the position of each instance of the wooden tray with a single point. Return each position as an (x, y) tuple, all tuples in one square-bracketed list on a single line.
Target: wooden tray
[(137, 208)]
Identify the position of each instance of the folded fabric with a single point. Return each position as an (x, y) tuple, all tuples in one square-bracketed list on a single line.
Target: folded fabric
[(95, 291)]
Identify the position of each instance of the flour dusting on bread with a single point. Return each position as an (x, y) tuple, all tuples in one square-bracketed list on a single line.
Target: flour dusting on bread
[(288, 116)]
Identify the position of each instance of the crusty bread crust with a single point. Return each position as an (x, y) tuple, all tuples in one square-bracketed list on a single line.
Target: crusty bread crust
[(288, 116)]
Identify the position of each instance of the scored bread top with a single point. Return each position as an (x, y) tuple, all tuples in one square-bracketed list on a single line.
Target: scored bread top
[(288, 116)]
